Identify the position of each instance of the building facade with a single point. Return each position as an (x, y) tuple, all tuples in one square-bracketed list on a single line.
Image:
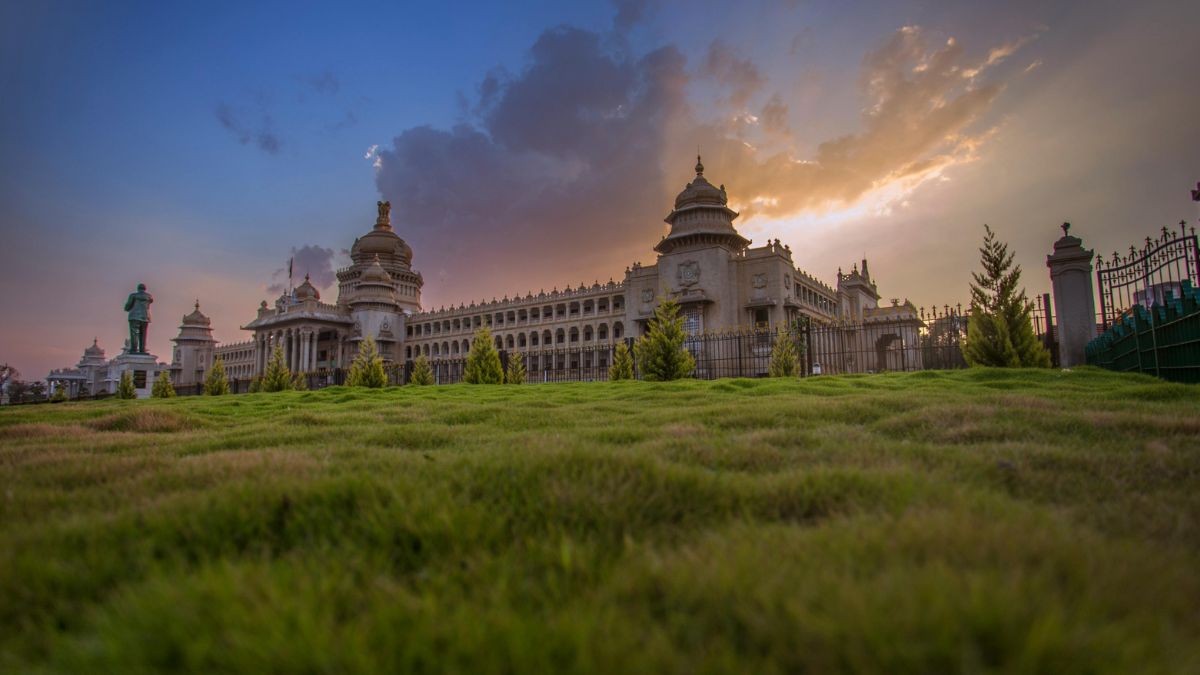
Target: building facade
[(720, 280)]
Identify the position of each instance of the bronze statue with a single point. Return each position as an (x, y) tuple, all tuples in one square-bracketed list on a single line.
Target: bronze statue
[(138, 306), (385, 212)]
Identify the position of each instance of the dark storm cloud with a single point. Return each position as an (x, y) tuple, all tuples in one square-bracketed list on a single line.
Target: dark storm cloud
[(264, 138), (312, 260), (557, 160)]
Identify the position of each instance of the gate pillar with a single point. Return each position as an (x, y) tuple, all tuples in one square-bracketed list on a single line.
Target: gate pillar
[(1074, 298)]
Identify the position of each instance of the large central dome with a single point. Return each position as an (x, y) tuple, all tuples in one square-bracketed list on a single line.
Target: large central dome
[(382, 241)]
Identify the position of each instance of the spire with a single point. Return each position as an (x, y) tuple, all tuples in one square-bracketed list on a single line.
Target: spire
[(865, 273), (699, 166), (197, 307)]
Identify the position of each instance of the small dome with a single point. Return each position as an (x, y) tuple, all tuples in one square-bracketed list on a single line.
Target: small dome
[(196, 318), (306, 291), (95, 349), (700, 191), (376, 274)]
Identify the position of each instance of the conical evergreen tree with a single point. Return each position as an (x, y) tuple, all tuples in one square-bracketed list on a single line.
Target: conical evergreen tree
[(162, 386), (277, 377), (999, 330), (483, 361), (516, 368), (300, 382), (660, 353), (367, 368), (215, 382), (622, 365), (422, 374), (125, 386), (255, 385), (783, 356)]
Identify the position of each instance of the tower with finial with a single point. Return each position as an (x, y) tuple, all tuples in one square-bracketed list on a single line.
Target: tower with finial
[(194, 348)]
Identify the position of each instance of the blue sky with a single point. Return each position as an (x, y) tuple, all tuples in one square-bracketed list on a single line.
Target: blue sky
[(192, 146)]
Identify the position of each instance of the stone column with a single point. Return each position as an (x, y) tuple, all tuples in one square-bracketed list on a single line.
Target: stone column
[(1074, 298)]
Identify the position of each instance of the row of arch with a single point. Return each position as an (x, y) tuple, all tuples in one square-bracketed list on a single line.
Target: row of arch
[(545, 339), (561, 311)]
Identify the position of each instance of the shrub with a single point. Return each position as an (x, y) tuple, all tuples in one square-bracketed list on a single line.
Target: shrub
[(255, 385), (483, 362), (622, 365), (367, 368), (660, 353), (215, 382), (125, 386), (300, 382), (162, 386), (277, 377), (422, 374), (783, 356), (59, 395), (516, 369), (999, 331)]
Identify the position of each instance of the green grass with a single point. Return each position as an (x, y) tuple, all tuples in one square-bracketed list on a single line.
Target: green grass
[(1013, 521)]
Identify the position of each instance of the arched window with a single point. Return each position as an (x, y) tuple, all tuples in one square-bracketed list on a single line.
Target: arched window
[(508, 341), (426, 350), (454, 347), (546, 338), (511, 316), (574, 309), (445, 349), (574, 334), (435, 349), (602, 331), (587, 334), (466, 346), (560, 337), (521, 342), (560, 311), (618, 330), (499, 343), (408, 352), (533, 339)]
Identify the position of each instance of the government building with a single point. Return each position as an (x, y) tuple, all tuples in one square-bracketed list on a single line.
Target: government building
[(722, 283)]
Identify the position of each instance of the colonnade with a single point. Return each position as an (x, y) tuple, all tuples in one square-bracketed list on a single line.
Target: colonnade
[(300, 348)]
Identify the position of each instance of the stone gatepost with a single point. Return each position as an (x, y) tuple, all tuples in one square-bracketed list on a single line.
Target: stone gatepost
[(1074, 300)]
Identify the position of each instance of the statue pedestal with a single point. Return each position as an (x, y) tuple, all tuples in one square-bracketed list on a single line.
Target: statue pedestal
[(143, 368)]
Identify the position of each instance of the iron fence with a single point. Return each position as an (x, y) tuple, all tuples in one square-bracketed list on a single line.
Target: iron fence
[(1147, 276)]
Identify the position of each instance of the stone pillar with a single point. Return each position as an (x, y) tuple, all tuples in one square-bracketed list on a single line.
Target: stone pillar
[(1074, 298), (305, 351)]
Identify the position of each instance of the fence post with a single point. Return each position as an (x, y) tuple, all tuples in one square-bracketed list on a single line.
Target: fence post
[(1074, 300)]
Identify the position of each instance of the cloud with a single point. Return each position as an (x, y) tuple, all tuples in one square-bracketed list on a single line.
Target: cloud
[(916, 123), (629, 13), (313, 260), (323, 83), (264, 138), (583, 149), (739, 75)]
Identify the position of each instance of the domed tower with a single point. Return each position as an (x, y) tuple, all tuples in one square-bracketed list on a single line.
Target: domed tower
[(194, 347), (375, 311), (394, 256), (701, 218)]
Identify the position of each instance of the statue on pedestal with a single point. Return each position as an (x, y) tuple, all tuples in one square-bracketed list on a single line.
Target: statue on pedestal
[(138, 306)]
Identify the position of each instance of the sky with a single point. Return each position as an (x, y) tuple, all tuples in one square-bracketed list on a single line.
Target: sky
[(196, 147)]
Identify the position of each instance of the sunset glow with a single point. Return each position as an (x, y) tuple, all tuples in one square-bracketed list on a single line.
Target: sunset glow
[(539, 145)]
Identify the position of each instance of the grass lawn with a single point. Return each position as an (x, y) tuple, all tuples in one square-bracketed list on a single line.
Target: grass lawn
[(1017, 521)]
